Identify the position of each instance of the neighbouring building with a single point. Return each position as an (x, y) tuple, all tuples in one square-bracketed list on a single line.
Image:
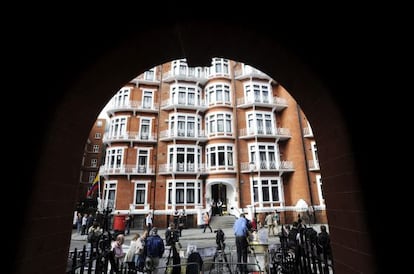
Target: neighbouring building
[(92, 160), (182, 137)]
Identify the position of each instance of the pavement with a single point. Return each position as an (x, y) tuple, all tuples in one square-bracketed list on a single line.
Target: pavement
[(205, 242)]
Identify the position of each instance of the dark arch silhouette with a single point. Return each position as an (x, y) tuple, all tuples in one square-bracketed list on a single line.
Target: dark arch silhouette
[(76, 71)]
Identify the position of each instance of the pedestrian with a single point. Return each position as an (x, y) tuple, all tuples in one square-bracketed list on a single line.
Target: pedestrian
[(153, 250), (220, 207), (206, 219), (241, 233), (148, 222)]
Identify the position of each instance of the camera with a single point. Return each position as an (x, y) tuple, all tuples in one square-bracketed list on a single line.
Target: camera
[(172, 237), (220, 239)]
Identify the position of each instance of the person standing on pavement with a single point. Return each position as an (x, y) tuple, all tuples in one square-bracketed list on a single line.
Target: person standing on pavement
[(207, 219), (154, 249), (148, 222), (241, 232)]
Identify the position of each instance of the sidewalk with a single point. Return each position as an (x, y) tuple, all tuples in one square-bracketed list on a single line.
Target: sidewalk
[(195, 236)]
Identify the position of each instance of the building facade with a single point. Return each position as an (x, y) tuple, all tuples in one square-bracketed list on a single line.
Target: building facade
[(184, 137), (93, 157)]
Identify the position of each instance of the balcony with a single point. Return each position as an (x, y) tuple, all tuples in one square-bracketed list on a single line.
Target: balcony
[(133, 106), (190, 135), (276, 103), (313, 165), (127, 170), (267, 166), (197, 74), (181, 168), (276, 133), (170, 104), (307, 132), (248, 72), (146, 78), (129, 136)]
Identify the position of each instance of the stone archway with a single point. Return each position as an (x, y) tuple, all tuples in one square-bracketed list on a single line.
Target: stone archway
[(89, 85)]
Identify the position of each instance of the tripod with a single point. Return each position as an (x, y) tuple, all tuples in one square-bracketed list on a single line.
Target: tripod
[(173, 254), (220, 257)]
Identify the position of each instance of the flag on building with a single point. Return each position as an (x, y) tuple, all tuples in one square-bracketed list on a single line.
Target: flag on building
[(94, 186)]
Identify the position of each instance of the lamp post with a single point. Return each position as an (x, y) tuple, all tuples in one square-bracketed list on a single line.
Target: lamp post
[(252, 166)]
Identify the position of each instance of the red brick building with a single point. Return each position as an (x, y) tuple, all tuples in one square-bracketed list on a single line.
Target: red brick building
[(181, 137), (92, 158)]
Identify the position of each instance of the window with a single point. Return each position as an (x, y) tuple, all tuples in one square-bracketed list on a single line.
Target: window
[(121, 98), (114, 157), (99, 124), (315, 155), (320, 190), (219, 66), (95, 148), (98, 135), (140, 193), (145, 126), (265, 190), (184, 192), (260, 123), (184, 125), (94, 162), (179, 67), (147, 99), (92, 176), (219, 124), (109, 197), (187, 95), (264, 155), (257, 92), (219, 156), (218, 94), (143, 160), (184, 157), (149, 75), (118, 126)]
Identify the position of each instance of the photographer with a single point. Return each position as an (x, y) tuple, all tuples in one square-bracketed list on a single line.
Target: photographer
[(220, 239), (172, 237)]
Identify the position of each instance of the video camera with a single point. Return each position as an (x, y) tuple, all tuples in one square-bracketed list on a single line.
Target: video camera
[(172, 236), (220, 237)]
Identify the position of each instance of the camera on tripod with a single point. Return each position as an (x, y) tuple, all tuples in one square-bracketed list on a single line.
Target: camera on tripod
[(220, 237), (172, 237)]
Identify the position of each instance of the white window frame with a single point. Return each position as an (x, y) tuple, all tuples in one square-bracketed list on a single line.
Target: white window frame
[(257, 182), (255, 155), (178, 119), (145, 121), (118, 126), (114, 158), (257, 122), (186, 89), (95, 148), (254, 92), (94, 162), (109, 187), (173, 160), (147, 93), (141, 185), (92, 176), (228, 156), (172, 187), (212, 96), (121, 98), (150, 75), (219, 67), (318, 179), (142, 152), (212, 123), (98, 135)]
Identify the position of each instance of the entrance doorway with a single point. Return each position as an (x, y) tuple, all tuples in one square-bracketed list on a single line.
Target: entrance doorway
[(219, 192)]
